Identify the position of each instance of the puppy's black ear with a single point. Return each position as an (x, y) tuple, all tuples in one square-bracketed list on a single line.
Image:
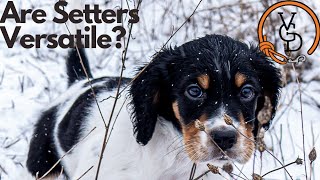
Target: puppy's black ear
[(150, 96), (270, 80)]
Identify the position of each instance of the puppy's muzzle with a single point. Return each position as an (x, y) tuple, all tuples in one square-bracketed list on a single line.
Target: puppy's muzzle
[(225, 139)]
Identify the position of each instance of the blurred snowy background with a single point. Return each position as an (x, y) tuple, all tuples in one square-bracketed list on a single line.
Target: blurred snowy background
[(31, 78)]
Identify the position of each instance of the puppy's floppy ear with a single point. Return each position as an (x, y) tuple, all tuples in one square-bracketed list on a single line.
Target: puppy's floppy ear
[(270, 81), (150, 95)]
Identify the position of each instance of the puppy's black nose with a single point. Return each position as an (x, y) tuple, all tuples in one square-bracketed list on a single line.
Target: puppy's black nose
[(225, 139)]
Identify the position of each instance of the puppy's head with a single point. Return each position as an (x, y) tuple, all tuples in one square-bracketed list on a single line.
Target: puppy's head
[(211, 80)]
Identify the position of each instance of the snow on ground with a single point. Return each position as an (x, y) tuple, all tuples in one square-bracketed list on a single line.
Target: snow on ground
[(30, 79)]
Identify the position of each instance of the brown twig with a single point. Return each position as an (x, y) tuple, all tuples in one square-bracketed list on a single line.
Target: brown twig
[(313, 144), (254, 161), (227, 6), (312, 158), (213, 169), (200, 126), (116, 98), (119, 92), (13, 143), (193, 171), (238, 176), (201, 175), (165, 44), (124, 55), (3, 170), (85, 173), (302, 124), (297, 161), (116, 119), (55, 164), (264, 149)]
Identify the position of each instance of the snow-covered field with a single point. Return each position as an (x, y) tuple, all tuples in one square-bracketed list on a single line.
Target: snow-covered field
[(31, 78)]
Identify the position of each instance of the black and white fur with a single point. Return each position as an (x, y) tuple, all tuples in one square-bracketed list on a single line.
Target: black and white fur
[(148, 140)]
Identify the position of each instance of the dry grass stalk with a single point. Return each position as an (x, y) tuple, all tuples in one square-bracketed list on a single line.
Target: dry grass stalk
[(264, 114), (213, 169), (228, 168), (312, 155), (312, 158), (262, 148), (193, 171), (298, 161), (45, 174), (257, 177), (227, 119), (85, 173), (199, 125), (124, 56), (164, 45), (302, 121)]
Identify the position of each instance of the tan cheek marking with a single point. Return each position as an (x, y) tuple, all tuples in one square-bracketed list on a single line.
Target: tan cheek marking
[(239, 79), (246, 127), (175, 108), (189, 131), (191, 139), (248, 145), (203, 81)]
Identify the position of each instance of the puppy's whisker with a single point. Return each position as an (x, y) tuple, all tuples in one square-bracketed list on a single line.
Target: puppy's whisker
[(175, 140), (182, 150), (194, 157), (192, 152), (177, 148), (190, 160), (197, 155), (187, 147), (190, 148), (178, 145)]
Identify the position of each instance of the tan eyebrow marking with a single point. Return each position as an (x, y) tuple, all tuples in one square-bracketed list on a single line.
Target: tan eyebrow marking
[(240, 79), (204, 81)]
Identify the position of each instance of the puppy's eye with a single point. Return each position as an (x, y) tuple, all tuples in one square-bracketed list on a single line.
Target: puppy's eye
[(247, 92), (194, 91)]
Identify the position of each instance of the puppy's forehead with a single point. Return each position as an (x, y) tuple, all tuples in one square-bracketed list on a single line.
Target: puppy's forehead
[(217, 66), (237, 76), (211, 79)]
